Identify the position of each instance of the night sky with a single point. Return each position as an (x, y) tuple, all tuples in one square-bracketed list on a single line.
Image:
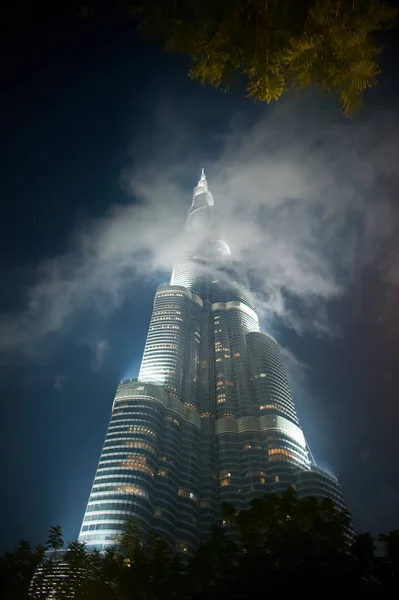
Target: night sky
[(92, 117)]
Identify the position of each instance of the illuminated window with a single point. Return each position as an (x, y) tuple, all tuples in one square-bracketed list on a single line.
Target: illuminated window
[(224, 482), (172, 420), (162, 472), (139, 429), (223, 474), (158, 513), (131, 489), (136, 466), (280, 453), (141, 445), (168, 460), (206, 415), (276, 478), (237, 354), (137, 458), (187, 494)]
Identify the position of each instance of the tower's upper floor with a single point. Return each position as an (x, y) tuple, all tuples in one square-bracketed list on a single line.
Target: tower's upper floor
[(205, 223)]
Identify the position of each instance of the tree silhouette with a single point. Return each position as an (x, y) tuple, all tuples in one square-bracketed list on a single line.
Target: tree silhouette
[(280, 544), (17, 569), (55, 540), (277, 46)]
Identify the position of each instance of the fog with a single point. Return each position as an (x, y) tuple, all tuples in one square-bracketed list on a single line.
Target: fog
[(308, 200)]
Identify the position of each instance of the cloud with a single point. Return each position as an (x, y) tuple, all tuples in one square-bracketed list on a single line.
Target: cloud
[(298, 372), (99, 352), (309, 203), (59, 382)]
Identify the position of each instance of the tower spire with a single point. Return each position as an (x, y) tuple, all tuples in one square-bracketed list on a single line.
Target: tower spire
[(203, 182), (202, 188)]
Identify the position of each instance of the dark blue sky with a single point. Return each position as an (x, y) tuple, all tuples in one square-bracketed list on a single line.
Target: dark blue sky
[(76, 103)]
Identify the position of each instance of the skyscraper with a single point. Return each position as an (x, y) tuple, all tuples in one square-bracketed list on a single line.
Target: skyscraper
[(211, 417)]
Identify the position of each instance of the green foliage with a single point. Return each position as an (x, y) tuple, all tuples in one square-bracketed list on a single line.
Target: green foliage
[(280, 543), (278, 46)]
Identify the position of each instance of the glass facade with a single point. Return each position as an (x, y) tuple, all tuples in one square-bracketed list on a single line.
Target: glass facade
[(211, 417)]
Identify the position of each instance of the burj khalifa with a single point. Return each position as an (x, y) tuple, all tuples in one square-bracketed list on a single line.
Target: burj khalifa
[(211, 417)]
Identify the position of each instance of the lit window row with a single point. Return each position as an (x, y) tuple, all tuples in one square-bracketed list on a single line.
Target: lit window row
[(153, 330), (132, 489), (165, 318), (136, 466), (281, 452), (137, 458), (140, 429), (172, 294), (169, 346), (167, 312), (140, 445)]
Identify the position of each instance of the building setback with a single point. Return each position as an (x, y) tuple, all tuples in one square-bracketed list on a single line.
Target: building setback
[(211, 417)]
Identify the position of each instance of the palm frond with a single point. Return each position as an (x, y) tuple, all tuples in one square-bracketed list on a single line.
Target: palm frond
[(211, 69), (363, 73), (266, 87), (350, 100), (302, 52)]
